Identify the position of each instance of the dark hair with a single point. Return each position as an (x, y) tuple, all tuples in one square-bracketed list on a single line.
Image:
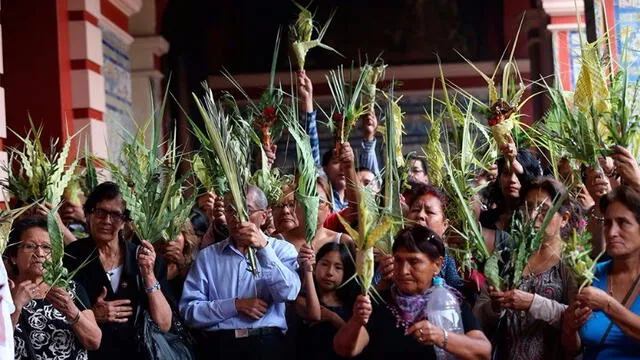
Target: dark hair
[(324, 185), (419, 239), (364, 168), (531, 170), (421, 159), (419, 190), (326, 157), (347, 292), (19, 228), (556, 190), (106, 191), (627, 196), (551, 186)]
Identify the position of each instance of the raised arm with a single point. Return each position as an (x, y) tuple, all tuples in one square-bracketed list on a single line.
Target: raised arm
[(351, 193), (308, 305), (353, 337), (305, 91), (368, 157)]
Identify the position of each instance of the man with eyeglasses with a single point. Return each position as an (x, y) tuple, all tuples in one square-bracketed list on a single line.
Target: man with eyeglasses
[(242, 315)]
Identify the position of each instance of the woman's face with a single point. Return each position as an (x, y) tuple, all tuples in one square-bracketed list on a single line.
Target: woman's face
[(417, 172), (427, 211), (34, 249), (325, 206), (413, 271), (538, 202), (284, 214), (509, 184), (329, 271), (621, 231), (106, 220)]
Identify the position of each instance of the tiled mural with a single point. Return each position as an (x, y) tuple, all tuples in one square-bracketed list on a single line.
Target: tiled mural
[(117, 84)]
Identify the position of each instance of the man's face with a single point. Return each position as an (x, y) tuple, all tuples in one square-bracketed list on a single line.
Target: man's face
[(335, 175), (367, 179), (256, 216)]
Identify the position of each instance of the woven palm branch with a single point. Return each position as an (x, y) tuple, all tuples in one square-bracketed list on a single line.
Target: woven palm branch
[(300, 34), (622, 125), (392, 181), (395, 117), (306, 191), (525, 241), (572, 130), (149, 181), (576, 255), (40, 176), (225, 140), (504, 105), (454, 162), (55, 274), (373, 226), (347, 108), (7, 217), (374, 75), (432, 150), (264, 115)]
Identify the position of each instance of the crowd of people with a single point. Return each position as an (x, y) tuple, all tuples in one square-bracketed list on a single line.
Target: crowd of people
[(302, 299)]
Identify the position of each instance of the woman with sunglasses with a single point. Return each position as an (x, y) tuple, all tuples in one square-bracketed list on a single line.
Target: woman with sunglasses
[(120, 277)]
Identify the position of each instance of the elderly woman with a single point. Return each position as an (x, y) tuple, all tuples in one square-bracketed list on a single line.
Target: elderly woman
[(425, 207), (50, 322), (121, 277), (525, 322), (296, 235), (399, 328), (604, 321)]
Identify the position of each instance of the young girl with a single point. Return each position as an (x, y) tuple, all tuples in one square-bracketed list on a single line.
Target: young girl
[(325, 302)]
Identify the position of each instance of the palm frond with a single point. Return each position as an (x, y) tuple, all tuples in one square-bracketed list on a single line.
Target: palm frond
[(225, 140), (300, 34)]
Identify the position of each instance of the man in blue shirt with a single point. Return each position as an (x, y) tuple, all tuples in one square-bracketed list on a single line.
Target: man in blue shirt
[(242, 315)]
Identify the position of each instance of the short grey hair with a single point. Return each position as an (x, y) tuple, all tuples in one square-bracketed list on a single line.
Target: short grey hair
[(256, 196)]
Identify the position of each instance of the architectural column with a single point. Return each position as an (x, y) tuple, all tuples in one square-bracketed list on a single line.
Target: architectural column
[(85, 47), (3, 119), (563, 25)]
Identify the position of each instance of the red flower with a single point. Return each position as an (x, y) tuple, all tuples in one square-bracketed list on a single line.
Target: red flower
[(269, 114), (337, 117), (496, 120)]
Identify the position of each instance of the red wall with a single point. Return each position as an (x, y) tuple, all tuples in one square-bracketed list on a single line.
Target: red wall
[(37, 77)]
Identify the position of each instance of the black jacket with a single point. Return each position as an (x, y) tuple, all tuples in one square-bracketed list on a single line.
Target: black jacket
[(118, 339)]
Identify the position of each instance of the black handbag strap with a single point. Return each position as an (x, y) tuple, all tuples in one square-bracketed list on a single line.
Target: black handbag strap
[(31, 353), (624, 303)]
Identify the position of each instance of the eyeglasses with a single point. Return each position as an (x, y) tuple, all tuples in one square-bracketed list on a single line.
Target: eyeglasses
[(31, 247), (232, 211), (116, 216)]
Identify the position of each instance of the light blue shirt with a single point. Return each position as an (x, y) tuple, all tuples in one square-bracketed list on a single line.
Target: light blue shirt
[(220, 275), (368, 157)]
